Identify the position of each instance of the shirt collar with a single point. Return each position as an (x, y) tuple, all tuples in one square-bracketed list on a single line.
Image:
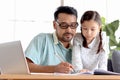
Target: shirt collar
[(55, 38), (93, 41), (56, 41)]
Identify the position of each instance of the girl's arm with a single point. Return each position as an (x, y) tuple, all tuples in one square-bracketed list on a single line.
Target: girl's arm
[(76, 56)]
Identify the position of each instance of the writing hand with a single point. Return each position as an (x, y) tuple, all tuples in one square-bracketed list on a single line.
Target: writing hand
[(63, 67)]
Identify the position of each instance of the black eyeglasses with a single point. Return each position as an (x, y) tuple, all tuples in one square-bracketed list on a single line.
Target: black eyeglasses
[(64, 25)]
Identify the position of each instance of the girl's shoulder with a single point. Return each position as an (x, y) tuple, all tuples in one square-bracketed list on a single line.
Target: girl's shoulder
[(105, 41), (104, 37), (103, 34)]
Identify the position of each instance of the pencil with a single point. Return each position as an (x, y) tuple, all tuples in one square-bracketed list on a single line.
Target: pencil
[(61, 59)]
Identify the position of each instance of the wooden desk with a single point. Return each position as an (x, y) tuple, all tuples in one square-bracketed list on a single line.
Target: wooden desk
[(58, 77)]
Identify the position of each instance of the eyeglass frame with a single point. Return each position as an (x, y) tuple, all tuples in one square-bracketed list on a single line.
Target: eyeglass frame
[(65, 27)]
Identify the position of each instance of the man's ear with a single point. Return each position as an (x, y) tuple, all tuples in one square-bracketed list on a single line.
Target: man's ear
[(54, 24)]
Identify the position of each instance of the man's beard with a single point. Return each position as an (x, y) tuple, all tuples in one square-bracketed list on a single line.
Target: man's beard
[(67, 39)]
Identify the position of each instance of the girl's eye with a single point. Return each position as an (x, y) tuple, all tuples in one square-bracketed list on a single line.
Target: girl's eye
[(85, 28), (93, 29)]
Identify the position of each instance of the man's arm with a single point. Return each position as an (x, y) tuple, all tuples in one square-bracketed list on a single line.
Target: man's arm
[(63, 67)]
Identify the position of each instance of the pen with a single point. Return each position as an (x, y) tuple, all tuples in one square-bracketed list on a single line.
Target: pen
[(73, 70)]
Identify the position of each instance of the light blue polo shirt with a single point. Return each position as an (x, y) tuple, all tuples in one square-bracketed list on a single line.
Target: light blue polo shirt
[(43, 48)]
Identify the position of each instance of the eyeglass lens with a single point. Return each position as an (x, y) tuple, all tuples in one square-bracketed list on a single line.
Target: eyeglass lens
[(64, 25)]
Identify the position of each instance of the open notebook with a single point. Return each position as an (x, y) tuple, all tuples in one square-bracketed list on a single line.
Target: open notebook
[(95, 72), (12, 59)]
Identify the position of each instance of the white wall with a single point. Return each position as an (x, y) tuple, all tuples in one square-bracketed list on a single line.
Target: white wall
[(6, 14), (23, 19)]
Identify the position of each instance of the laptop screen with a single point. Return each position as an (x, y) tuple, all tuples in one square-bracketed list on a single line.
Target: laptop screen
[(12, 59)]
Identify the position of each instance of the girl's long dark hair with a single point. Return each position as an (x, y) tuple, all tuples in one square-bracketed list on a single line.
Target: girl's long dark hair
[(92, 15)]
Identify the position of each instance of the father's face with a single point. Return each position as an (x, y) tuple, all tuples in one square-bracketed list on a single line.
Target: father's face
[(65, 27)]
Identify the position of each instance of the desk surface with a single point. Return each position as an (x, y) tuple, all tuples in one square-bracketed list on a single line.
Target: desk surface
[(58, 77)]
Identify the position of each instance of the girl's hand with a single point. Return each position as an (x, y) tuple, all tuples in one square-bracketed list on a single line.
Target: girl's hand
[(84, 70)]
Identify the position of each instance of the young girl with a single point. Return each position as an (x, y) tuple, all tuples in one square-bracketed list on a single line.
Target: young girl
[(90, 47)]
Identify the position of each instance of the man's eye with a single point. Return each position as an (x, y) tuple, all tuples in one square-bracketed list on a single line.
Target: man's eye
[(73, 25), (63, 25)]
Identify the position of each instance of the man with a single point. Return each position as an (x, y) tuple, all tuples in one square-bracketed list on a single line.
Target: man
[(52, 52)]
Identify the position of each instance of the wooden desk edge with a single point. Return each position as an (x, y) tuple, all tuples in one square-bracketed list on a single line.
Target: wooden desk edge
[(60, 77)]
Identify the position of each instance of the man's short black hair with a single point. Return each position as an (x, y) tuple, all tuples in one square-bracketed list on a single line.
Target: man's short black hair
[(65, 9)]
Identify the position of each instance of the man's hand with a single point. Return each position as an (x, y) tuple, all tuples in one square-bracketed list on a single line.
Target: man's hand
[(63, 67)]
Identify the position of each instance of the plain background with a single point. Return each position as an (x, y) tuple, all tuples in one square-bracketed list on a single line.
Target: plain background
[(23, 19)]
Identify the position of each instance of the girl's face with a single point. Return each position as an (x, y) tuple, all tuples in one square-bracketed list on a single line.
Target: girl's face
[(90, 29)]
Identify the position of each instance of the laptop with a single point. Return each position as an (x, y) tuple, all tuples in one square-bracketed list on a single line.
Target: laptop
[(12, 58)]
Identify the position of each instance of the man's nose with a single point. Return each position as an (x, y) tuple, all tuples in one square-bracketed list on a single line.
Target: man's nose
[(68, 29)]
